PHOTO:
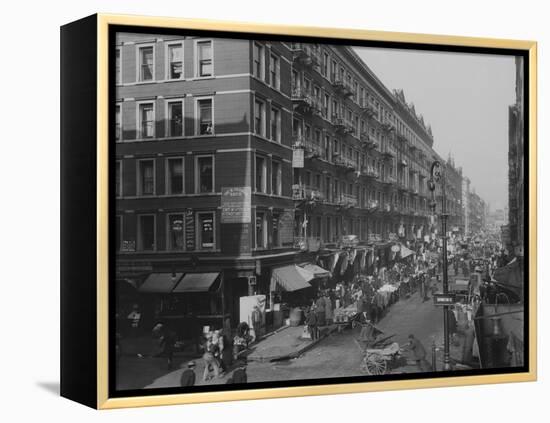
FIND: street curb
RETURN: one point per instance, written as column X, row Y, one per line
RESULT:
column 296, row 353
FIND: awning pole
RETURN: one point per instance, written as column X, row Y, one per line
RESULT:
column 222, row 283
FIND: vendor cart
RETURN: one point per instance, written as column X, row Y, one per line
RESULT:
column 378, row 361
column 461, row 288
column 379, row 353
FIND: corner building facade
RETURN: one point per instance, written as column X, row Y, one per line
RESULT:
column 307, row 137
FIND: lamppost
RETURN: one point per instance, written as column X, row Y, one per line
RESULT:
column 438, row 176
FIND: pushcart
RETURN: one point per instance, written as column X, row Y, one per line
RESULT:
column 379, row 354
column 378, row 361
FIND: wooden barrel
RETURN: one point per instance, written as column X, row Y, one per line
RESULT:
column 296, row 316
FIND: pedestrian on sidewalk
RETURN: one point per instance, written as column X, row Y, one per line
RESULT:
column 239, row 375
column 320, row 310
column 419, row 354
column 329, row 315
column 167, row 341
column 134, row 319
column 209, row 359
column 188, row 376
column 311, row 321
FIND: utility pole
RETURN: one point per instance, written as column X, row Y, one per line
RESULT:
column 438, row 176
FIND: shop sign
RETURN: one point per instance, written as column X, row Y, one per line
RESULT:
column 236, row 205
column 374, row 238
column 298, row 158
column 286, row 228
column 444, row 299
column 128, row 246
column 189, row 230
column 350, row 241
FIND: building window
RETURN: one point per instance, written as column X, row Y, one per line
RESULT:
column 325, row 65
column 174, row 176
column 205, row 174
column 261, row 232
column 146, row 177
column 118, row 178
column 296, row 128
column 326, row 104
column 259, row 117
column 118, row 72
column 205, row 117
column 327, row 188
column 275, row 231
column 327, row 148
column 147, row 120
column 274, row 71
column 276, row 178
column 206, row 234
column 118, row 123
column 175, row 61
column 275, row 122
column 146, row 232
column 118, row 233
column 204, row 59
column 258, row 61
column 146, row 63
column 175, row 118
column 176, row 232
column 260, row 174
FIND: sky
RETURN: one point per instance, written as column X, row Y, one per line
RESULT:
column 465, row 98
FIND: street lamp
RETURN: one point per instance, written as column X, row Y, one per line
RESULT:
column 438, row 176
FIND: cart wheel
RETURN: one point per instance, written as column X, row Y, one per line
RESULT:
column 373, row 364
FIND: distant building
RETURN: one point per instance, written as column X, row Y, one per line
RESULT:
column 516, row 170
column 476, row 213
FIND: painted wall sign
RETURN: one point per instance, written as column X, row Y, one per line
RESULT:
column 236, row 205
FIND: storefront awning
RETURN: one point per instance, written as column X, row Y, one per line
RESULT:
column 317, row 271
column 196, row 282
column 160, row 283
column 405, row 252
column 290, row 278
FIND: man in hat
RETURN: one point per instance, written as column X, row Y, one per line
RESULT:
column 239, row 375
column 419, row 353
column 188, row 375
column 167, row 340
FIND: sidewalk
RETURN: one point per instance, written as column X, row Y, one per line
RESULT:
column 286, row 343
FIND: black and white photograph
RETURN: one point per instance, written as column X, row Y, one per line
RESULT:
column 291, row 211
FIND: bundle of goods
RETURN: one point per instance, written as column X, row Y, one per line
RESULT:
column 345, row 315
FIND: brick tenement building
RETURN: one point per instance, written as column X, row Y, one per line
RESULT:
column 210, row 181
column 516, row 170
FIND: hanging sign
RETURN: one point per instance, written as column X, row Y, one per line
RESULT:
column 298, row 158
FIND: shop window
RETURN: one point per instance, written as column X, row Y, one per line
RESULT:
column 206, row 230
column 176, row 232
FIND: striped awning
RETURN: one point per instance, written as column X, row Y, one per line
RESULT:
column 290, row 278
column 317, row 271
